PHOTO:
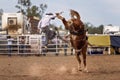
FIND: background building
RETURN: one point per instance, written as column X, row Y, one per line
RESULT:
column 111, row 29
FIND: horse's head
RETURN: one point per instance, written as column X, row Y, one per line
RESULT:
column 74, row 23
column 74, row 14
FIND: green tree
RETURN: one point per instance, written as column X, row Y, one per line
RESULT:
column 26, row 7
column 110, row 25
column 33, row 11
column 36, row 11
column 1, row 11
column 101, row 28
column 93, row 29
column 22, row 5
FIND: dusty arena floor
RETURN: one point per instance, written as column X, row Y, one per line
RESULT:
column 51, row 67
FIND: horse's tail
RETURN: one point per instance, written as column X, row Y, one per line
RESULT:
column 74, row 14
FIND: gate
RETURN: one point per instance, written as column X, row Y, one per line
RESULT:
column 34, row 45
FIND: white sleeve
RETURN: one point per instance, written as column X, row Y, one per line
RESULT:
column 53, row 16
column 39, row 24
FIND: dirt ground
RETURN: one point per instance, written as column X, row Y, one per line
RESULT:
column 51, row 67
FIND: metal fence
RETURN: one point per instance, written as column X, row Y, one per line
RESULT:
column 33, row 45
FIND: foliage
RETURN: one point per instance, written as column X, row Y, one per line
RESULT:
column 26, row 7
column 91, row 28
column 1, row 11
column 94, row 30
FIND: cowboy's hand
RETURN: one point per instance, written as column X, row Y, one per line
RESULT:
column 57, row 14
column 60, row 17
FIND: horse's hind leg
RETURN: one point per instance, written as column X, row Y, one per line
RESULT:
column 77, row 54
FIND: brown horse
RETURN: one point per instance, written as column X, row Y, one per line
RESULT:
column 78, row 37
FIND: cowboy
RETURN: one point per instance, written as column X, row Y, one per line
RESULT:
column 44, row 24
column 9, row 42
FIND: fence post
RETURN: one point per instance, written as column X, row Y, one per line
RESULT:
column 56, row 45
column 40, row 44
column 18, row 43
column 109, row 51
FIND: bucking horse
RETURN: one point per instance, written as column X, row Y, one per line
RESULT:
column 78, row 36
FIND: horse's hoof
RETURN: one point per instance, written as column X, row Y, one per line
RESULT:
column 79, row 69
column 85, row 70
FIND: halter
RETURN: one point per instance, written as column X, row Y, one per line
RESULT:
column 78, row 33
column 73, row 31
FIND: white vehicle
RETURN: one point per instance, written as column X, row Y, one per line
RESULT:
column 111, row 29
column 14, row 23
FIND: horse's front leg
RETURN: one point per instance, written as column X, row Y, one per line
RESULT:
column 77, row 54
column 84, row 59
column 84, row 62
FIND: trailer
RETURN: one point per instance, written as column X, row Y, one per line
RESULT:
column 15, row 23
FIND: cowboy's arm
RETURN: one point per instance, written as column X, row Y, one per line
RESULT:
column 55, row 15
column 63, row 20
column 39, row 26
column 65, row 23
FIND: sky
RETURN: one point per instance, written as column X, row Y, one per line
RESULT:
column 96, row 12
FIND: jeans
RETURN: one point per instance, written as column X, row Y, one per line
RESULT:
column 9, row 50
column 46, row 30
column 65, row 49
column 49, row 34
column 22, row 48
